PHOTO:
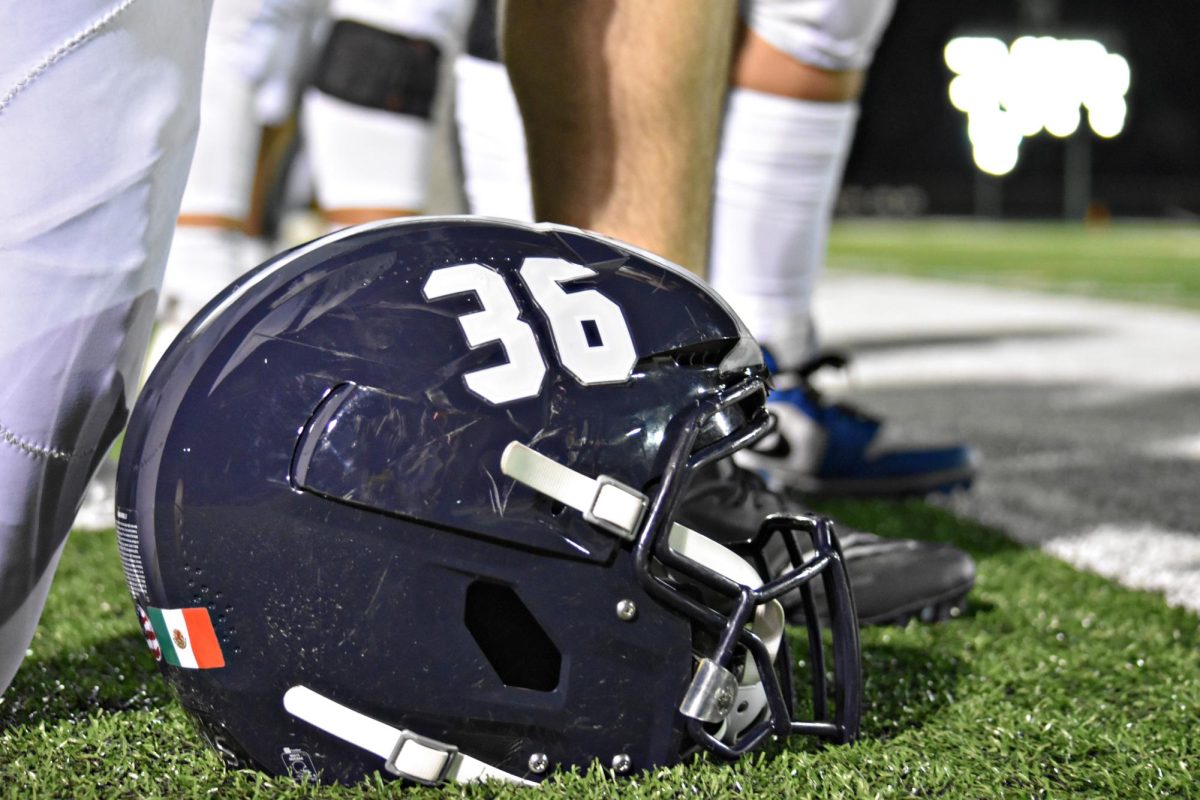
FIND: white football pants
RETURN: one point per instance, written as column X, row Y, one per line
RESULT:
column 98, row 117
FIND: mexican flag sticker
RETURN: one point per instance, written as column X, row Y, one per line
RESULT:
column 186, row 637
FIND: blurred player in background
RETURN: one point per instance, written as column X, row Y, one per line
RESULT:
column 256, row 57
column 789, row 123
column 367, row 116
column 365, row 73
column 260, row 55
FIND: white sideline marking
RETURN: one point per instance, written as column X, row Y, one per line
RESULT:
column 1088, row 353
column 1097, row 342
column 1182, row 447
column 1142, row 557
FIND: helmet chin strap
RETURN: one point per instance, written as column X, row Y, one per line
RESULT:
column 618, row 509
column 406, row 754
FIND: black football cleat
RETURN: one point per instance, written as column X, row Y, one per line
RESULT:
column 893, row 580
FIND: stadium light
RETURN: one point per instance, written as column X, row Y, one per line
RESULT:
column 1012, row 92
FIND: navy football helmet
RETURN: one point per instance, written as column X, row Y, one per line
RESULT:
column 402, row 500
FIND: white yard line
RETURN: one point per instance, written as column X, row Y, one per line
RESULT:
column 1143, row 557
column 1017, row 335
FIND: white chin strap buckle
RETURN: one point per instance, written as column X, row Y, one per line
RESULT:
column 604, row 502
column 616, row 508
column 421, row 759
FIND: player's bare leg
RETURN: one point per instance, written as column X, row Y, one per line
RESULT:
column 621, row 102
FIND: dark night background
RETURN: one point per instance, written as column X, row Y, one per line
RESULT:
column 910, row 136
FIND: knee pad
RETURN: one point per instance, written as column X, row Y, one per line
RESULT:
column 378, row 69
column 836, row 35
column 438, row 21
column 367, row 118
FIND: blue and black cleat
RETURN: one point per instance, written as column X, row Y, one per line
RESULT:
column 820, row 447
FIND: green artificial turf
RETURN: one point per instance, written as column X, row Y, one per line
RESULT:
column 1142, row 262
column 1053, row 684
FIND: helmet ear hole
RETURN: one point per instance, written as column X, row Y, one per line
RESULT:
column 510, row 638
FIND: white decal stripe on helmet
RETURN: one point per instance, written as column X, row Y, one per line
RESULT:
column 406, row 754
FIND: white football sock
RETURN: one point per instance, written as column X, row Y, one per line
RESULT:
column 492, row 139
column 778, row 172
